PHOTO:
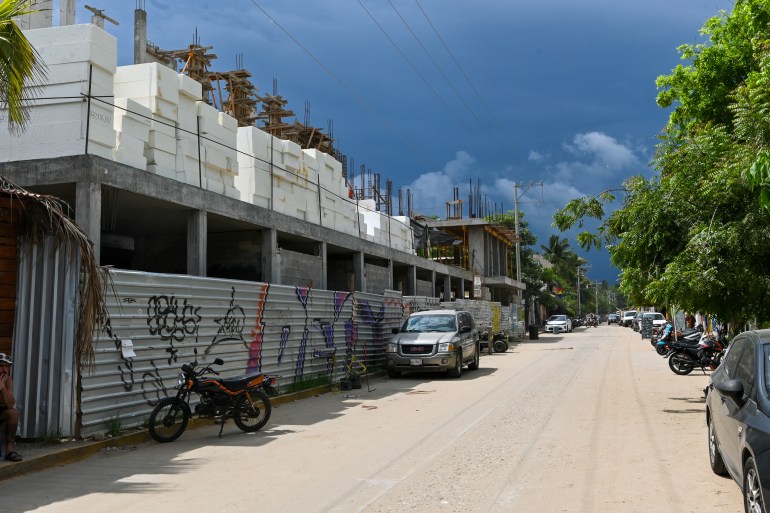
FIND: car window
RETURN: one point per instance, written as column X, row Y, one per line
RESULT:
column 745, row 369
column 766, row 367
column 423, row 323
column 733, row 355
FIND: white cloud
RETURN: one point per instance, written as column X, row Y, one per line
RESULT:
column 598, row 156
column 535, row 156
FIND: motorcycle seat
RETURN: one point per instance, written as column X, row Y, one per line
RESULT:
column 239, row 382
column 684, row 345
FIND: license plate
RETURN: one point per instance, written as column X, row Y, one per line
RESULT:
column 414, row 362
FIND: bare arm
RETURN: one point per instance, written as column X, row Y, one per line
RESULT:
column 6, row 391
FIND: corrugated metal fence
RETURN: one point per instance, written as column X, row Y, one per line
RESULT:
column 301, row 334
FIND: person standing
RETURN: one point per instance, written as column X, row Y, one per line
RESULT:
column 9, row 416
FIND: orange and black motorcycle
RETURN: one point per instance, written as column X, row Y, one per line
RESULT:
column 244, row 398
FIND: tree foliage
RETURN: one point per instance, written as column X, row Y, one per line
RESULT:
column 696, row 234
column 21, row 69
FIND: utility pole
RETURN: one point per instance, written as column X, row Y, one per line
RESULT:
column 578, row 291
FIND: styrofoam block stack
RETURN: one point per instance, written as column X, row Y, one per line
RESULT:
column 291, row 154
column 150, row 80
column 62, row 117
column 75, row 43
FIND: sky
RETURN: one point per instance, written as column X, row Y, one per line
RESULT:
column 436, row 94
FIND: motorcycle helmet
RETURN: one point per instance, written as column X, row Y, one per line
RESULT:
column 6, row 359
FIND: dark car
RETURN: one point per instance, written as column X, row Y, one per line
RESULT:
column 613, row 318
column 738, row 417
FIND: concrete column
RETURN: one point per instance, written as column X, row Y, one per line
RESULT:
column 41, row 17
column 433, row 283
column 359, row 276
column 66, row 12
column 88, row 213
column 411, row 281
column 324, row 285
column 461, row 289
column 197, row 239
column 271, row 272
column 140, row 36
column 447, row 288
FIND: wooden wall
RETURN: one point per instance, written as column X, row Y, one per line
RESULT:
column 8, row 251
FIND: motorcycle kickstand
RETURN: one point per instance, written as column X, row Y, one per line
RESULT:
column 222, row 426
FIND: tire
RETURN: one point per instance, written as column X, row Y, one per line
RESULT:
column 168, row 419
column 251, row 416
column 678, row 366
column 752, row 488
column 661, row 350
column 394, row 374
column 474, row 365
column 457, row 370
column 500, row 346
column 715, row 457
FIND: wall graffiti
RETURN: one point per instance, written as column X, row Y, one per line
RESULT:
column 255, row 346
column 126, row 368
column 177, row 319
column 231, row 325
column 171, row 323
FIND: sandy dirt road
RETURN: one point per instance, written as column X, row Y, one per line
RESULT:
column 589, row 422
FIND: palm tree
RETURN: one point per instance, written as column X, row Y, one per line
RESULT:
column 21, row 68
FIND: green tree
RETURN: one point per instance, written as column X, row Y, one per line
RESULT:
column 20, row 66
column 695, row 234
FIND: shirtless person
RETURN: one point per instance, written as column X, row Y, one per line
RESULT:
column 9, row 416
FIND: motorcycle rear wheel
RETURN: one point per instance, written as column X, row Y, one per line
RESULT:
column 661, row 350
column 169, row 419
column 681, row 363
column 500, row 346
column 251, row 416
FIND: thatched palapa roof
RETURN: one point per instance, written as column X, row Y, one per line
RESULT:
column 41, row 216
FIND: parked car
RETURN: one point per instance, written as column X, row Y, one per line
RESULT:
column 657, row 318
column 738, row 417
column 613, row 318
column 558, row 323
column 627, row 317
column 637, row 321
column 434, row 340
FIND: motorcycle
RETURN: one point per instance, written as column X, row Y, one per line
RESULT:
column 244, row 398
column 591, row 321
column 499, row 342
column 663, row 337
column 706, row 354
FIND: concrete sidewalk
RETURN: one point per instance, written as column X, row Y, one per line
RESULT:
column 42, row 455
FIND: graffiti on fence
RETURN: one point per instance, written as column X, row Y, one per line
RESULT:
column 285, row 332
column 255, row 346
column 171, row 323
column 126, row 369
column 231, row 325
column 152, row 384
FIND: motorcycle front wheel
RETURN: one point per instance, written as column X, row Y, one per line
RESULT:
column 252, row 414
column 661, row 350
column 681, row 363
column 169, row 419
column 500, row 346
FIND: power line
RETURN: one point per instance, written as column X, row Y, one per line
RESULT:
column 403, row 55
column 348, row 89
column 459, row 66
column 446, row 78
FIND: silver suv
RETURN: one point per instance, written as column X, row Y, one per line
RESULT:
column 434, row 340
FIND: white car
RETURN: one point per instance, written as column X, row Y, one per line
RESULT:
column 558, row 323
column 657, row 318
column 627, row 317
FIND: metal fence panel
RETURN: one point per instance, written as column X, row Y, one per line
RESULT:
column 298, row 333
column 44, row 335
